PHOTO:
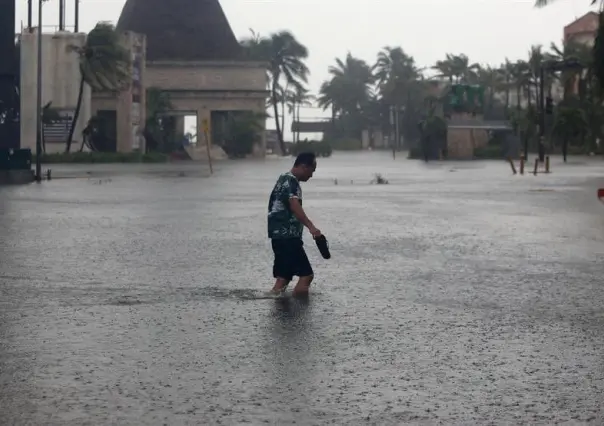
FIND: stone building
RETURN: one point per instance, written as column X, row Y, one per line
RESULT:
column 583, row 30
column 188, row 50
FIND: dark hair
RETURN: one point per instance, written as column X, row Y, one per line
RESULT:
column 305, row 159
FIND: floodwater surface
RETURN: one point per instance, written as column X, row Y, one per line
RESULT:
column 456, row 294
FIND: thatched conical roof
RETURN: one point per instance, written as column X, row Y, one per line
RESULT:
column 186, row 30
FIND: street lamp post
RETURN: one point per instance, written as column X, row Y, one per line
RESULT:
column 39, row 98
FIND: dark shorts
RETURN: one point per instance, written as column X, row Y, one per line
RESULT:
column 290, row 259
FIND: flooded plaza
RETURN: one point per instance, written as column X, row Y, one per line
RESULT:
column 456, row 294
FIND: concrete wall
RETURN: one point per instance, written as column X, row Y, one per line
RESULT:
column 196, row 87
column 235, row 76
column 203, row 102
column 60, row 84
column 583, row 30
column 461, row 142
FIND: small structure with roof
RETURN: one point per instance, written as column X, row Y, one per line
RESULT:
column 466, row 133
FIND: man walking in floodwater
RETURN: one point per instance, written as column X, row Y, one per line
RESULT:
column 286, row 221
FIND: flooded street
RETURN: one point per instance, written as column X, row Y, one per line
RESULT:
column 456, row 294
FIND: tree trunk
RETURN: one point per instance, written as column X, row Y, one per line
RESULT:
column 507, row 100
column 277, row 124
column 298, row 119
column 564, row 148
column 76, row 115
column 283, row 116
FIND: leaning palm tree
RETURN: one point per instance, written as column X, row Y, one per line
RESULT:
column 104, row 66
column 287, row 63
column 284, row 56
column 354, row 79
column 329, row 97
column 457, row 68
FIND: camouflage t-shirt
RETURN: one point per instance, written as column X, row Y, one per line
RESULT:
column 281, row 221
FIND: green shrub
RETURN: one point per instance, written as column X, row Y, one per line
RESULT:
column 345, row 144
column 489, row 152
column 415, row 153
column 242, row 132
column 320, row 148
column 103, row 157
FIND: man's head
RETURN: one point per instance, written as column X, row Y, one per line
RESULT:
column 304, row 166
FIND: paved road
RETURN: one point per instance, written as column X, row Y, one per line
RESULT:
column 457, row 294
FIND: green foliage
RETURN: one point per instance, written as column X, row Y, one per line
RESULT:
column 433, row 137
column 242, row 132
column 284, row 56
column 363, row 96
column 345, row 144
column 104, row 61
column 104, row 65
column 103, row 157
column 320, row 148
column 598, row 51
column 490, row 152
column 159, row 128
column 415, row 153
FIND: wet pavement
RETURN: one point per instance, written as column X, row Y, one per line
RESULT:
column 456, row 294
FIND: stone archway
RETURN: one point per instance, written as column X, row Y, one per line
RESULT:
column 193, row 56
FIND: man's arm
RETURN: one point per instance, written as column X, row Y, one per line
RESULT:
column 298, row 211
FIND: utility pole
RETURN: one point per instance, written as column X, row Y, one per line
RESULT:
column 398, row 137
column 61, row 15
column 77, row 16
column 393, row 136
column 29, row 15
column 39, row 98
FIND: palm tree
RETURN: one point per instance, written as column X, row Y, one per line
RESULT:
column 572, row 51
column 570, row 125
column 398, row 83
column 457, row 68
column 520, row 78
column 353, row 77
column 295, row 100
column 493, row 80
column 104, row 66
column 395, row 72
column 507, row 71
column 285, row 58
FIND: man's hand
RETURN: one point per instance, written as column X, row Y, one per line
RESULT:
column 314, row 232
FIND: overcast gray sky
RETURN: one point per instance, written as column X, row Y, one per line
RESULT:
column 486, row 30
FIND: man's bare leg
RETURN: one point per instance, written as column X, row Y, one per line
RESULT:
column 303, row 285
column 280, row 285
